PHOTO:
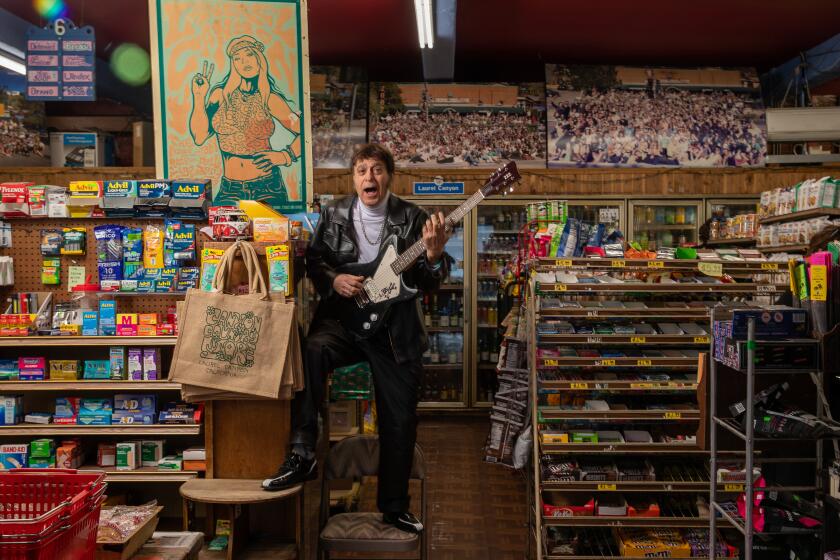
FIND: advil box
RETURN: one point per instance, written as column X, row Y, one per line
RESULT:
column 14, row 199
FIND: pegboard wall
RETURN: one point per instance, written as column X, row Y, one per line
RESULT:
column 26, row 253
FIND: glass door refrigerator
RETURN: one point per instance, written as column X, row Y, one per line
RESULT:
column 610, row 212
column 655, row 224
column 446, row 317
column 734, row 221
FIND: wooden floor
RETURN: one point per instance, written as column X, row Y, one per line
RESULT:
column 477, row 511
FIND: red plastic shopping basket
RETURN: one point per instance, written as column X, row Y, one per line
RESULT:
column 49, row 513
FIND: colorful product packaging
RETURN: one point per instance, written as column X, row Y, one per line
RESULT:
column 14, row 456
column 66, row 410
column 278, row 268
column 134, row 364
column 11, row 410
column 117, row 361
column 128, row 455
column 51, row 240
column 151, row 452
column 51, row 272
column 151, row 364
column 107, row 317
column 74, row 242
column 64, row 370
column 90, row 323
column 9, row 370
column 106, row 455
column 210, row 259
column 153, row 247
column 32, row 368
column 97, row 369
column 179, row 243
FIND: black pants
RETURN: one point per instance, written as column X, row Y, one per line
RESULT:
column 397, row 387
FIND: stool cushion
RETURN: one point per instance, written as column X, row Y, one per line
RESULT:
column 365, row 531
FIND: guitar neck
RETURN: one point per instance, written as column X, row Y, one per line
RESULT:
column 407, row 258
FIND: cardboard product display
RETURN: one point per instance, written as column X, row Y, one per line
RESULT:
column 237, row 347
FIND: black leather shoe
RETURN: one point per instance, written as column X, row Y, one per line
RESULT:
column 294, row 470
column 403, row 521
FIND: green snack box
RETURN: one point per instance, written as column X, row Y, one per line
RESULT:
column 42, row 448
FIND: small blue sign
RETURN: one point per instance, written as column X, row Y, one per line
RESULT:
column 432, row 188
column 60, row 62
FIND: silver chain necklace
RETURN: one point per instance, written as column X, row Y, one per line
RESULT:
column 364, row 231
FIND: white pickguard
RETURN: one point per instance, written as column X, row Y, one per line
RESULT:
column 384, row 284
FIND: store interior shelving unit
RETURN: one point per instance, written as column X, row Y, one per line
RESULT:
column 764, row 451
column 662, row 392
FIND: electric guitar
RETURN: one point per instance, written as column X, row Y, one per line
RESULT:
column 383, row 285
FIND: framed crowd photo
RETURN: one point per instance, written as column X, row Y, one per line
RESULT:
column 459, row 125
column 621, row 116
column 339, row 97
column 231, row 88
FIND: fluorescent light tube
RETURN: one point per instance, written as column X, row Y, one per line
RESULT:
column 12, row 65
column 425, row 31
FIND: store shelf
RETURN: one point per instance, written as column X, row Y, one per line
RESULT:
column 41, row 341
column 783, row 249
column 89, row 385
column 738, row 523
column 732, row 426
column 488, row 276
column 444, row 329
column 143, row 474
column 676, row 288
column 139, row 294
column 616, row 339
column 548, row 414
column 771, row 371
column 617, row 264
column 487, row 366
column 622, row 448
column 612, row 313
column 608, row 521
column 638, row 228
column 735, row 241
column 804, row 215
column 451, row 287
column 439, row 367
column 625, row 486
column 487, row 326
column 61, row 430
column 594, row 385
column 636, row 362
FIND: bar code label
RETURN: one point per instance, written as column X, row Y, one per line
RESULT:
column 606, row 487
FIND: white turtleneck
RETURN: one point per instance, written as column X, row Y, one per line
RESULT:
column 373, row 218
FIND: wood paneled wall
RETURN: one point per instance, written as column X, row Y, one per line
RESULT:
column 537, row 182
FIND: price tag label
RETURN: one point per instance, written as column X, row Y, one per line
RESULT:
column 710, row 269
column 563, row 262
column 579, row 385
column 733, row 487
column 551, row 363
column 637, row 340
column 560, row 287
column 701, row 340
column 643, row 362
column 656, row 264
column 606, row 487
column 676, row 385
column 673, row 415
column 593, row 313
column 619, row 263
column 765, row 289
column 593, row 340
column 606, row 363
column 819, row 282
column 770, row 266
column 641, row 386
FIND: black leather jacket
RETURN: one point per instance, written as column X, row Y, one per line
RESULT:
column 334, row 244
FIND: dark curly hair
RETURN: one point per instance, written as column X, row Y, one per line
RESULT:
column 374, row 151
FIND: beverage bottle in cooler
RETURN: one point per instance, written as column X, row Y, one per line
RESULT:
column 484, row 350
column 427, row 314
column 491, row 314
column 443, row 314
column 433, row 346
column 453, row 351
column 494, row 349
column 459, row 350
column 435, row 320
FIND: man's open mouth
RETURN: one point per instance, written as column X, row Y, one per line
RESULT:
column 371, row 190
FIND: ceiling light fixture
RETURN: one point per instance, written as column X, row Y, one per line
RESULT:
column 425, row 30
column 12, row 64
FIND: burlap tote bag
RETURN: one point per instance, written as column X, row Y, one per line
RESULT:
column 238, row 344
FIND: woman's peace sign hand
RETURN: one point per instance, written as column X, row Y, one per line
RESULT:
column 201, row 81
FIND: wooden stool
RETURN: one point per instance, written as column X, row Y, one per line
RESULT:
column 234, row 493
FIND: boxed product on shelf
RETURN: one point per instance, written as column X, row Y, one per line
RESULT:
column 42, row 462
column 151, row 364
column 647, row 542
column 14, row 199
column 32, row 368
column 611, row 506
column 40, row 448
column 181, row 413
column 11, row 410
column 128, row 455
column 9, row 370
column 151, row 452
column 106, row 455
column 189, row 198
column 95, row 411
column 568, row 505
column 69, row 455
column 153, row 198
column 134, row 364
column 770, row 321
column 66, row 410
column 97, row 369
column 38, row 418
column 116, row 359
column 132, row 417
column 14, row 456
column 90, row 323
column 64, row 370
column 135, row 403
column 171, row 463
column 107, row 317
column 777, row 354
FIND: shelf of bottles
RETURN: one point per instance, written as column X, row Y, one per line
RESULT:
column 665, row 224
column 443, row 316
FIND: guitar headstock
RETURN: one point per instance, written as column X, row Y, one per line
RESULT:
column 502, row 180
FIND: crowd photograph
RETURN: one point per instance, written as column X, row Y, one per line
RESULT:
column 339, row 98
column 22, row 140
column 638, row 117
column 474, row 125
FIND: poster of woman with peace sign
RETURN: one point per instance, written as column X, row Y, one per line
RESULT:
column 235, row 106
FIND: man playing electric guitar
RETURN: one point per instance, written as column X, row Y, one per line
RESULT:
column 353, row 230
